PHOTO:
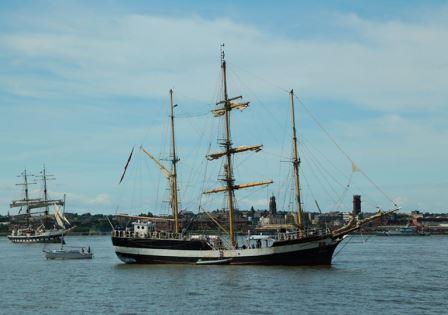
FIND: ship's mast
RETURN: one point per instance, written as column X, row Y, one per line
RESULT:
column 224, row 109
column 296, row 165
column 25, row 202
column 25, row 182
column 27, row 197
column 171, row 175
column 174, row 160
column 44, row 178
column 46, row 202
column 228, row 170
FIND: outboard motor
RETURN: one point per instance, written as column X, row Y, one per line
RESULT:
column 356, row 204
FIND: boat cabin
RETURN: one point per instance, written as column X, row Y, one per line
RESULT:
column 143, row 229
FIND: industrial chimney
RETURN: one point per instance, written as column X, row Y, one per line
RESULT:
column 356, row 204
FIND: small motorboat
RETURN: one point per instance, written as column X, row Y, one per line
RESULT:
column 223, row 261
column 64, row 253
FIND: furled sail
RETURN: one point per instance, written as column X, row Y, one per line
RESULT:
column 239, row 186
column 239, row 149
column 222, row 110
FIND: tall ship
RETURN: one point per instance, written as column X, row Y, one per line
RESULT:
column 149, row 241
column 33, row 223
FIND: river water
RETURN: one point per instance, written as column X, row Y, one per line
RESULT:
column 390, row 275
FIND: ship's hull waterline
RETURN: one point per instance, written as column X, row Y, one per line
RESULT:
column 317, row 252
column 35, row 239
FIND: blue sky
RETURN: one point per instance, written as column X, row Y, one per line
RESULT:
column 82, row 82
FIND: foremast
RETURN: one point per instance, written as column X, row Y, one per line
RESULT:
column 296, row 166
column 225, row 106
column 26, row 200
column 171, row 175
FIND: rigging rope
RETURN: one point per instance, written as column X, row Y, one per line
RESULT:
column 367, row 198
column 343, row 152
column 341, row 199
column 269, row 82
column 345, row 244
column 314, row 166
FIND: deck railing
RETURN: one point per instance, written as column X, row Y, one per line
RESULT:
column 301, row 234
column 177, row 236
column 152, row 235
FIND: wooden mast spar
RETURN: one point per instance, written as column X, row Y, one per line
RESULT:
column 27, row 198
column 174, row 160
column 224, row 109
column 296, row 165
column 26, row 201
column 171, row 175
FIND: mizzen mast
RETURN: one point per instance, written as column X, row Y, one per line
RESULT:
column 174, row 160
column 171, row 175
column 296, row 165
column 225, row 107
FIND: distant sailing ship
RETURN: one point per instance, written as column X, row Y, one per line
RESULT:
column 145, row 242
column 32, row 223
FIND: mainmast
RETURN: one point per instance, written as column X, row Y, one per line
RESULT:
column 25, row 183
column 296, row 165
column 228, row 169
column 46, row 202
column 224, row 109
column 27, row 196
column 174, row 160
column 171, row 175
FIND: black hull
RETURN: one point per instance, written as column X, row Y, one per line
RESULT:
column 289, row 255
column 312, row 257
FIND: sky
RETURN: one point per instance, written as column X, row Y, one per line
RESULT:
column 82, row 82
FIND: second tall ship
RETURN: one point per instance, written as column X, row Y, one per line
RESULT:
column 33, row 223
column 145, row 242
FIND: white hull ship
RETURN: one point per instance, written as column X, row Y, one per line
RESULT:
column 31, row 224
column 145, row 243
column 35, row 236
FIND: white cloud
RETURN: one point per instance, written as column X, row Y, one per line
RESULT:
column 102, row 200
column 387, row 65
